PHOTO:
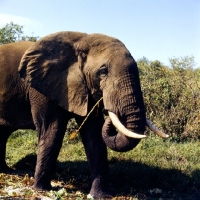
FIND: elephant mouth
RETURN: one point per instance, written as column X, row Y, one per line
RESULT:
column 121, row 128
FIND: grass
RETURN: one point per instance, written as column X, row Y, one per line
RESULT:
column 155, row 169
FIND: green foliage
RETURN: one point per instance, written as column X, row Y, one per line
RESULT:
column 20, row 144
column 13, row 33
column 155, row 164
column 172, row 96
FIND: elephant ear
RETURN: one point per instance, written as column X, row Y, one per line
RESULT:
column 54, row 68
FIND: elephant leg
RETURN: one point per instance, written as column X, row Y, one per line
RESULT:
column 5, row 133
column 48, row 150
column 96, row 152
column 50, row 121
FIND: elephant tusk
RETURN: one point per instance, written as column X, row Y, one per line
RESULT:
column 155, row 129
column 120, row 127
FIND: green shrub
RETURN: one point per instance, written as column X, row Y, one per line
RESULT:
column 172, row 96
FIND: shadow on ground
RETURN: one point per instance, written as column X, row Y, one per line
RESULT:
column 126, row 179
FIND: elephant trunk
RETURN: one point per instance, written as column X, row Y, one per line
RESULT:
column 124, row 140
column 122, row 98
column 116, row 140
column 126, row 111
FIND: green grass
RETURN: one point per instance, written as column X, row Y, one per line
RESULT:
column 154, row 164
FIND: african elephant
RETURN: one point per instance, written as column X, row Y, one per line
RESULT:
column 14, row 105
column 63, row 75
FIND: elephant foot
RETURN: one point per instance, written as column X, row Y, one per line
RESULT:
column 99, row 190
column 101, row 195
column 42, row 187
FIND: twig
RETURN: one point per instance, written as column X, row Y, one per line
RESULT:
column 73, row 134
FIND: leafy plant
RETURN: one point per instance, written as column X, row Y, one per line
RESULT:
column 172, row 96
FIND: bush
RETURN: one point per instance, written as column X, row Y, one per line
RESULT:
column 172, row 96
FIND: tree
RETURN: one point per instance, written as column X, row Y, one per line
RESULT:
column 12, row 33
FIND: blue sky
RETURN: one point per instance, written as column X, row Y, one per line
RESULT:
column 155, row 29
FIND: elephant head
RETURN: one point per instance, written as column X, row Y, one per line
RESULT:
column 72, row 68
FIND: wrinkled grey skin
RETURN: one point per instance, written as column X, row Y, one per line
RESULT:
column 63, row 76
column 14, row 105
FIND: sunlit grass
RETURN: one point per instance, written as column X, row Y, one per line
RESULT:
column 154, row 163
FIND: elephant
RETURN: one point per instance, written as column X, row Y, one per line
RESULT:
column 62, row 76
column 14, row 105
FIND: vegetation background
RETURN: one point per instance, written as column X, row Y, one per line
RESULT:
column 155, row 169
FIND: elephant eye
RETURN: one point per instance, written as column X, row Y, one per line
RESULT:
column 103, row 71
